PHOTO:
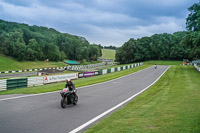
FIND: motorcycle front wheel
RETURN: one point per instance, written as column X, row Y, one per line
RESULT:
column 63, row 103
column 75, row 100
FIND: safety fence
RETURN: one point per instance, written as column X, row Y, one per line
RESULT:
column 8, row 84
column 31, row 70
column 3, row 85
column 115, row 69
column 75, row 67
column 79, row 67
column 16, row 83
column 88, row 74
column 197, row 67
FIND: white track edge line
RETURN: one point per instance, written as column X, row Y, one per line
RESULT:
column 30, row 95
column 115, row 107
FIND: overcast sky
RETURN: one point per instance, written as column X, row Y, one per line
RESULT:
column 105, row 22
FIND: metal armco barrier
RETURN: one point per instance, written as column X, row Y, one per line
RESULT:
column 112, row 70
column 115, row 69
column 16, row 83
column 105, row 71
column 100, row 72
column 84, row 66
column 108, row 70
column 197, row 67
column 36, row 81
column 30, row 70
column 124, row 67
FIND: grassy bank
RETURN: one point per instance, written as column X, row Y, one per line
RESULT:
column 108, row 53
column 78, row 83
column 170, row 105
column 9, row 64
column 159, row 62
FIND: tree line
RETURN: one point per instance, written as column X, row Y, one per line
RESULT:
column 25, row 42
column 110, row 47
column 176, row 46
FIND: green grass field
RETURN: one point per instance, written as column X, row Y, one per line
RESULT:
column 169, row 106
column 152, row 62
column 78, row 83
column 108, row 53
column 9, row 64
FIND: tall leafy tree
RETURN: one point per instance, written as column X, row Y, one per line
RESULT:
column 16, row 45
column 191, row 43
column 125, row 54
column 193, row 19
column 143, row 51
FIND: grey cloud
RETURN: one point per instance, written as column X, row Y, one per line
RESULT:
column 101, row 21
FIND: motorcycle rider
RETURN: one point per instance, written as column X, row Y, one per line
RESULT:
column 71, row 87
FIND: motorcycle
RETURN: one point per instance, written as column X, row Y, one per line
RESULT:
column 68, row 97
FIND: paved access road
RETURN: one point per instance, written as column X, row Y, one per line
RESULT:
column 43, row 114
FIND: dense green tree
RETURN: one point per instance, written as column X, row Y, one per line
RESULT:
column 191, row 43
column 84, row 53
column 37, row 53
column 62, row 56
column 4, row 43
column 94, row 52
column 125, row 54
column 165, row 46
column 16, row 45
column 143, row 51
column 39, row 43
column 193, row 19
column 110, row 47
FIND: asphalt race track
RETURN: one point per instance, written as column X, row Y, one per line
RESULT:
column 43, row 113
column 18, row 74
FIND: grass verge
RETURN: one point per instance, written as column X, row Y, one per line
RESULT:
column 10, row 64
column 113, row 66
column 78, row 83
column 170, row 105
column 160, row 62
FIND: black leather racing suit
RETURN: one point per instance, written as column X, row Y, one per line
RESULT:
column 71, row 87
